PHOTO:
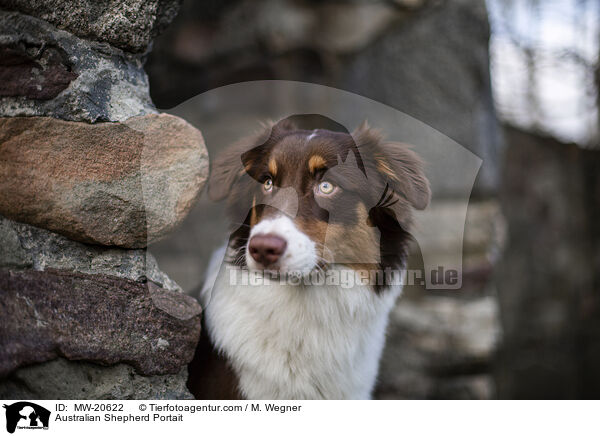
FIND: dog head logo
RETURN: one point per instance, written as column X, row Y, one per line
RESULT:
column 26, row 415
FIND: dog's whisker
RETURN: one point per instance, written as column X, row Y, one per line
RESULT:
column 322, row 247
column 239, row 224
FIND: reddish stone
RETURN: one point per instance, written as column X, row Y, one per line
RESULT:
column 124, row 184
column 103, row 319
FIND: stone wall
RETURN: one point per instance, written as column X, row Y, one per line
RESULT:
column 90, row 174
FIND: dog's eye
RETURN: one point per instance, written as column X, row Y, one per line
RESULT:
column 326, row 188
column 268, row 185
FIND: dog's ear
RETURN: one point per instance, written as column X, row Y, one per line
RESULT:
column 236, row 160
column 225, row 170
column 401, row 167
column 284, row 125
column 404, row 170
column 228, row 166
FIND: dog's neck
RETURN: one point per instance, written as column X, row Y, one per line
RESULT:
column 289, row 341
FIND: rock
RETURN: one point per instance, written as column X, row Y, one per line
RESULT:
column 549, row 275
column 46, row 71
column 129, row 25
column 283, row 26
column 27, row 247
column 410, row 4
column 470, row 387
column 476, row 251
column 123, row 184
column 62, row 379
column 42, row 75
column 98, row 318
column 12, row 254
column 367, row 21
column 439, row 346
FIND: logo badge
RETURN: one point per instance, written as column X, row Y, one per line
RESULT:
column 26, row 415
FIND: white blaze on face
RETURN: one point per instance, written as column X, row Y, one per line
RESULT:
column 300, row 255
column 312, row 135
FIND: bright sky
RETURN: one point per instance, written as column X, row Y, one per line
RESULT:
column 563, row 35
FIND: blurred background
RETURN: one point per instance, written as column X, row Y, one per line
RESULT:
column 516, row 82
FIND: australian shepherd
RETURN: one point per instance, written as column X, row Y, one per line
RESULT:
column 310, row 208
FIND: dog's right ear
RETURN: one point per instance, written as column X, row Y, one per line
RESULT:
column 225, row 170
column 231, row 163
column 235, row 161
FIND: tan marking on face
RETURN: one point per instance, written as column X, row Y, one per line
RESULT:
column 253, row 217
column 313, row 228
column 316, row 162
column 355, row 245
column 368, row 234
column 384, row 167
column 273, row 167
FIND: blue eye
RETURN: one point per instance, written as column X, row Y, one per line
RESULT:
column 326, row 188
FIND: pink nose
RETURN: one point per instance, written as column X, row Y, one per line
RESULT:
column 266, row 249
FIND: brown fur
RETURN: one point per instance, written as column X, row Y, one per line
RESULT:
column 210, row 376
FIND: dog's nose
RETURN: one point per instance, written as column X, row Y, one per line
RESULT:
column 266, row 249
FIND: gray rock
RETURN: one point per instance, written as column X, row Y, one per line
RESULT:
column 99, row 318
column 25, row 247
column 129, row 25
column 62, row 379
column 440, row 347
column 12, row 255
column 67, row 77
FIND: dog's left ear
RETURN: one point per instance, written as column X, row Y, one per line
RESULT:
column 404, row 170
column 401, row 167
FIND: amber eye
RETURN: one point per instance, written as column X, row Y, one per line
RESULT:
column 326, row 188
column 268, row 185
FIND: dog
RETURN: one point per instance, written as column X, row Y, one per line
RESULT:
column 306, row 205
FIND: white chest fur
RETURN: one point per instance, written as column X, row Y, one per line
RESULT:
column 299, row 342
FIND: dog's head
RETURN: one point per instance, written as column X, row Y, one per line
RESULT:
column 304, row 199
